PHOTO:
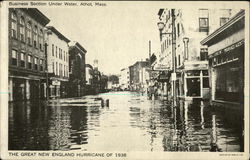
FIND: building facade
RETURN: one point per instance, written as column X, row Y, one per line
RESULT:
column 57, row 62
column 124, row 79
column 89, row 79
column 191, row 58
column 77, row 72
column 137, row 74
column 226, row 60
column 26, row 54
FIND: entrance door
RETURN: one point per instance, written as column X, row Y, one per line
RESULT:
column 193, row 87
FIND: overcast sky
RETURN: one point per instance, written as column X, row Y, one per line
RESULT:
column 116, row 35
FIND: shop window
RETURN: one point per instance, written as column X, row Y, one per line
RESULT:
column 13, row 25
column 22, row 62
column 205, row 82
column 193, row 87
column 22, row 30
column 205, row 72
column 14, row 57
column 29, row 62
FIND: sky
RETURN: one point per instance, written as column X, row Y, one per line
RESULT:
column 116, row 35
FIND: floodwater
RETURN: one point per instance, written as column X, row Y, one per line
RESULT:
column 131, row 122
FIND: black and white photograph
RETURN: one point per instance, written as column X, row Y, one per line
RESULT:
column 88, row 78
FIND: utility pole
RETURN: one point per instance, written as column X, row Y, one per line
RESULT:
column 173, row 76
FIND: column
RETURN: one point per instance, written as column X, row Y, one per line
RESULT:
column 27, row 89
column 10, row 89
column 185, row 85
column 213, row 83
column 201, row 83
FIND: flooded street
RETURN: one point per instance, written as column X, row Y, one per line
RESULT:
column 131, row 122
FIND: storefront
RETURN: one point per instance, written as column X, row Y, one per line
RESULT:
column 226, row 62
column 228, row 72
column 196, row 80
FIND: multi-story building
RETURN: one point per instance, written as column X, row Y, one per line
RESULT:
column 26, row 54
column 226, row 60
column 57, row 62
column 190, row 58
column 124, row 79
column 77, row 72
column 137, row 75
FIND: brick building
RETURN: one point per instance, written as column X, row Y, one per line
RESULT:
column 26, row 54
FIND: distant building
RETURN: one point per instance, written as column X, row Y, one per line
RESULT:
column 89, row 79
column 27, row 78
column 57, row 61
column 226, row 60
column 191, row 59
column 137, row 74
column 124, row 78
column 77, row 72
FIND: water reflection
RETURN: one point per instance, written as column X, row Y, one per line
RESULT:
column 131, row 122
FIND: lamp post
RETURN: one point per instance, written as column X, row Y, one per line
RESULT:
column 161, row 25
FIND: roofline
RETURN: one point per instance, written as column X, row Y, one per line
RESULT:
column 78, row 45
column 60, row 35
column 232, row 21
column 44, row 19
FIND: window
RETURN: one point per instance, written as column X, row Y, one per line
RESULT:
column 205, row 82
column 22, row 30
column 223, row 20
column 13, row 25
column 29, row 62
column 52, row 49
column 203, row 54
column 41, row 65
column 35, row 62
column 14, row 57
column 225, row 15
column 178, row 29
column 56, row 68
column 22, row 59
column 179, row 60
column 53, row 67
column 35, row 36
column 203, row 20
column 41, row 39
column 56, row 51
column 29, row 33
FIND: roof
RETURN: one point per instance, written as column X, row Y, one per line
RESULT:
column 75, row 44
column 60, row 35
column 37, row 15
column 232, row 24
column 88, row 65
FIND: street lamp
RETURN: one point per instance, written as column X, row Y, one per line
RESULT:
column 161, row 25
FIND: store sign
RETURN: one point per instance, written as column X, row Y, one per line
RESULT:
column 56, row 83
column 161, row 67
column 227, row 49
